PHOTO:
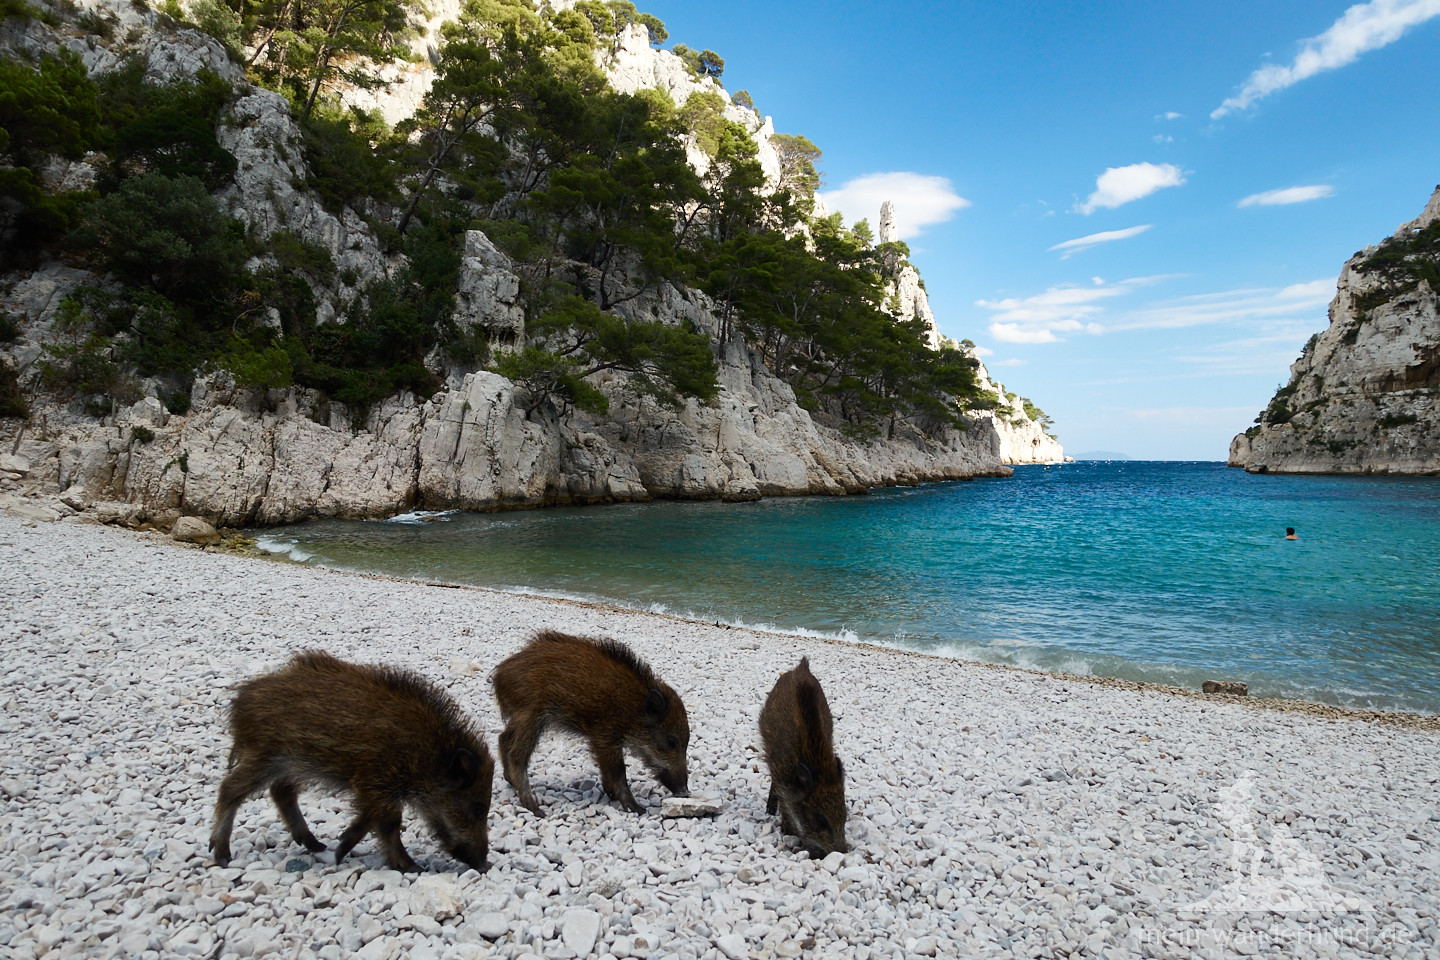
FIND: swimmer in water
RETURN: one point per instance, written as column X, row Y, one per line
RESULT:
column 1290, row 534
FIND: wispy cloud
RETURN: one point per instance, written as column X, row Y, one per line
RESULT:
column 1277, row 198
column 1270, row 353
column 1072, row 247
column 1012, row 362
column 1046, row 317
column 1363, row 27
column 1067, row 309
column 984, row 352
column 920, row 200
column 1118, row 186
column 1229, row 307
column 1169, row 115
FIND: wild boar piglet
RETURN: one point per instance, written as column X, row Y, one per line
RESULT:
column 807, row 780
column 383, row 734
column 600, row 690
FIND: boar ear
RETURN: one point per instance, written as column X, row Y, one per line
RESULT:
column 463, row 767
column 804, row 777
column 655, row 705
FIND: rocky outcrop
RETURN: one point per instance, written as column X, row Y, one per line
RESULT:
column 1364, row 396
column 1018, row 438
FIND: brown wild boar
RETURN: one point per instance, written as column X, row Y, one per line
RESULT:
column 602, row 691
column 384, row 734
column 807, row 780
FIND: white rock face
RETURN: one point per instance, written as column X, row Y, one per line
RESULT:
column 1018, row 438
column 1364, row 396
column 888, row 232
column 489, row 296
column 905, row 297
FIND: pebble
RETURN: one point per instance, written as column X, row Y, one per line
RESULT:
column 581, row 927
column 1049, row 826
column 491, row 926
column 733, row 945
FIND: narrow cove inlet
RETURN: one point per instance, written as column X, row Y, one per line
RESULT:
column 1165, row 572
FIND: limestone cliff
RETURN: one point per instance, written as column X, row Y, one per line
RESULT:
column 1364, row 396
column 240, row 457
column 1019, row 438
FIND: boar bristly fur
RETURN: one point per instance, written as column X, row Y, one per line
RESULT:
column 597, row 689
column 383, row 734
column 807, row 780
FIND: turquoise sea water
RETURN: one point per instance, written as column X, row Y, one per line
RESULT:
column 1171, row 572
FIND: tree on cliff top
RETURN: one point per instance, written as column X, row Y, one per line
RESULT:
column 798, row 159
column 303, row 46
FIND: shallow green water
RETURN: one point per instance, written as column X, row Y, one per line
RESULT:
column 1172, row 572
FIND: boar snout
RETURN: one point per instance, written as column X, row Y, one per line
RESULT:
column 676, row 783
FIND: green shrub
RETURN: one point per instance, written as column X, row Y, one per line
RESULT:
column 12, row 401
column 80, row 362
column 142, row 433
column 268, row 369
column 178, row 402
column 9, row 327
column 166, row 128
column 220, row 22
column 167, row 233
column 352, row 157
column 48, row 110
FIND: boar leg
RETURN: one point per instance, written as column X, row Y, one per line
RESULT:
column 517, row 743
column 611, row 760
column 387, row 828
column 773, row 800
column 286, row 798
column 245, row 778
column 354, row 833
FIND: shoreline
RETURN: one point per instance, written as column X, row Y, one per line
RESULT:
column 992, row 812
column 1315, row 708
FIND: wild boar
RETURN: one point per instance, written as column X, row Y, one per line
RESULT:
column 600, row 690
column 807, row 780
column 383, row 734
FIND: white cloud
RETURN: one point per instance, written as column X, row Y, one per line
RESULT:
column 1065, row 309
column 1169, row 115
column 1012, row 362
column 1276, row 198
column 1363, row 27
column 1163, row 138
column 1271, row 353
column 1120, row 185
column 983, row 352
column 919, row 200
column 1044, row 317
column 1231, row 306
column 1072, row 247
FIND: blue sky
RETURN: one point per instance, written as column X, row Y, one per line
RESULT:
column 1140, row 209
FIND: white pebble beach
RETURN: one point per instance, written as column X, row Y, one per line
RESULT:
column 993, row 812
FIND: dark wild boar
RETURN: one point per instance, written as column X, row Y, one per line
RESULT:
column 384, row 734
column 602, row 691
column 807, row 780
